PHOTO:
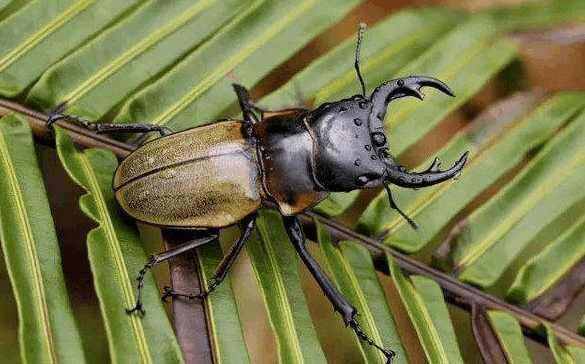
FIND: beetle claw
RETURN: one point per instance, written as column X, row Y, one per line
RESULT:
column 422, row 81
column 388, row 354
column 138, row 308
column 56, row 114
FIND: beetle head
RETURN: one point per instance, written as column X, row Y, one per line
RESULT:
column 345, row 156
column 351, row 145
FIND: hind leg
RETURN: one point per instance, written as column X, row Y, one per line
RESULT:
column 224, row 266
column 159, row 258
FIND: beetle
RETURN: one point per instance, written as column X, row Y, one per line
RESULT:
column 220, row 174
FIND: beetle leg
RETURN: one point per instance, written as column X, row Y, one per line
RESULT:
column 340, row 303
column 57, row 114
column 228, row 261
column 159, row 258
column 129, row 128
column 246, row 104
column 394, row 206
column 224, row 266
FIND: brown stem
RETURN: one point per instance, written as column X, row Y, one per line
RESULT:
column 490, row 347
column 189, row 315
column 456, row 292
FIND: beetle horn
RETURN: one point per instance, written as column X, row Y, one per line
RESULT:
column 402, row 87
column 401, row 177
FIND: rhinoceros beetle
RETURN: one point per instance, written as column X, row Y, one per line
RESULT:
column 220, row 174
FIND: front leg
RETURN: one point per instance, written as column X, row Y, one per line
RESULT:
column 340, row 303
column 246, row 105
column 105, row 128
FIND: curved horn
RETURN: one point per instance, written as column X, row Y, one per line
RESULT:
column 403, row 178
column 401, row 87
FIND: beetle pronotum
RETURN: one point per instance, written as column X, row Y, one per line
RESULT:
column 220, row 174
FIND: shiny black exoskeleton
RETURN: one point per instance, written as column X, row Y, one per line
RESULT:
column 220, row 174
column 353, row 150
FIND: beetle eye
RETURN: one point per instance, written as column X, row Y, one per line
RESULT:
column 379, row 139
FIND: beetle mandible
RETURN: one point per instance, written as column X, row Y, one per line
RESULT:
column 220, row 174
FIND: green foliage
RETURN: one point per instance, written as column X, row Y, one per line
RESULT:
column 551, row 264
column 510, row 337
column 538, row 14
column 198, row 89
column 47, row 330
column 548, row 186
column 173, row 63
column 436, row 206
column 42, row 32
column 564, row 354
column 428, row 313
column 111, row 66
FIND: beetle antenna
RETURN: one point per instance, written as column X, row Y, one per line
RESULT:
column 358, row 47
column 393, row 205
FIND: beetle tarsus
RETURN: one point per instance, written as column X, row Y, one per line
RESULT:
column 58, row 114
column 55, row 115
column 211, row 286
column 222, row 269
column 168, row 292
column 389, row 354
column 159, row 258
column 138, row 308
